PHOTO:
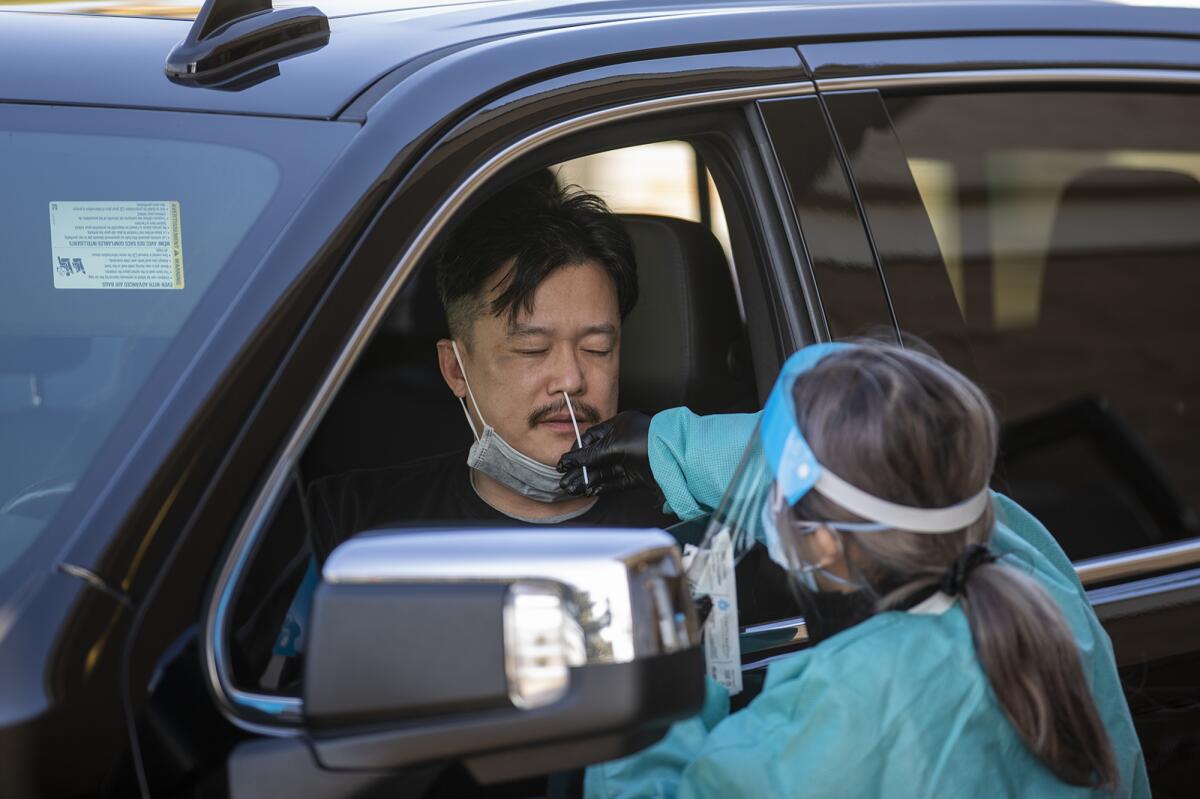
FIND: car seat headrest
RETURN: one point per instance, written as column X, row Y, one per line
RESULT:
column 1104, row 210
column 683, row 344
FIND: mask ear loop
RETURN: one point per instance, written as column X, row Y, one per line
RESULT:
column 781, row 511
column 471, row 394
column 823, row 568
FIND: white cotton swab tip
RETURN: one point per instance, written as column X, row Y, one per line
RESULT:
column 575, row 424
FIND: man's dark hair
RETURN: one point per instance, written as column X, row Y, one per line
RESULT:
column 541, row 227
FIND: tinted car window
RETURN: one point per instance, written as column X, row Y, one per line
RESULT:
column 114, row 227
column 1069, row 231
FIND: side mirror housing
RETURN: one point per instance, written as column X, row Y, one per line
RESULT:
column 518, row 652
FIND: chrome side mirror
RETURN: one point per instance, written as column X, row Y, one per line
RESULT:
column 519, row 651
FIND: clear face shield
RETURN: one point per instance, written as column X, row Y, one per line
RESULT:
column 762, row 514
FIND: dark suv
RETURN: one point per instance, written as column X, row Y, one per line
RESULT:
column 216, row 290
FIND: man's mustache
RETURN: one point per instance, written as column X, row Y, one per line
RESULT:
column 583, row 412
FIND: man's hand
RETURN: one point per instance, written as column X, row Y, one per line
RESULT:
column 615, row 454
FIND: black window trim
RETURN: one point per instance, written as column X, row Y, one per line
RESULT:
column 275, row 715
column 1105, row 568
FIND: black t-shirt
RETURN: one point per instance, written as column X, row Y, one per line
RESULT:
column 438, row 490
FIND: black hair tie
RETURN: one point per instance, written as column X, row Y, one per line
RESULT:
column 954, row 581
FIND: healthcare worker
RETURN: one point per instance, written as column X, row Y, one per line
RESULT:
column 957, row 654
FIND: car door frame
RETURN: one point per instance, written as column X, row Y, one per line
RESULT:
column 485, row 147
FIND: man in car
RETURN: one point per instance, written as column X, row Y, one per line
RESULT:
column 535, row 284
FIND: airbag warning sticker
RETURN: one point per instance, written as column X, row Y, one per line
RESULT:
column 116, row 245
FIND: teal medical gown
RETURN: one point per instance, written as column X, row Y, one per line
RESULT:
column 896, row 706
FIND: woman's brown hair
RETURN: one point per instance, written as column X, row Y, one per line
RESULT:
column 908, row 428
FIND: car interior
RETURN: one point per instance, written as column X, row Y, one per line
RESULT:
column 685, row 343
column 1075, row 272
column 1118, row 470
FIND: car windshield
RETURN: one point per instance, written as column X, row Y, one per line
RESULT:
column 115, row 224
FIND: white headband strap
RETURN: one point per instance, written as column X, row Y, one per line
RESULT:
column 901, row 517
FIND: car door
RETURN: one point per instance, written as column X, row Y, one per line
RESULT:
column 1034, row 203
column 545, row 122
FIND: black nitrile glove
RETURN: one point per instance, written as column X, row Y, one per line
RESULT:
column 615, row 454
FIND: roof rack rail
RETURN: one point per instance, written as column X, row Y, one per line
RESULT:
column 231, row 39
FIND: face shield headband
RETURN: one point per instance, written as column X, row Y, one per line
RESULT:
column 797, row 470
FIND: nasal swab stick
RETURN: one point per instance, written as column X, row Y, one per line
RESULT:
column 575, row 424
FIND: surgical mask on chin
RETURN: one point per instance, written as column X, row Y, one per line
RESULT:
column 499, row 460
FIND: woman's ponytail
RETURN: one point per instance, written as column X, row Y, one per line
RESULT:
column 1031, row 660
